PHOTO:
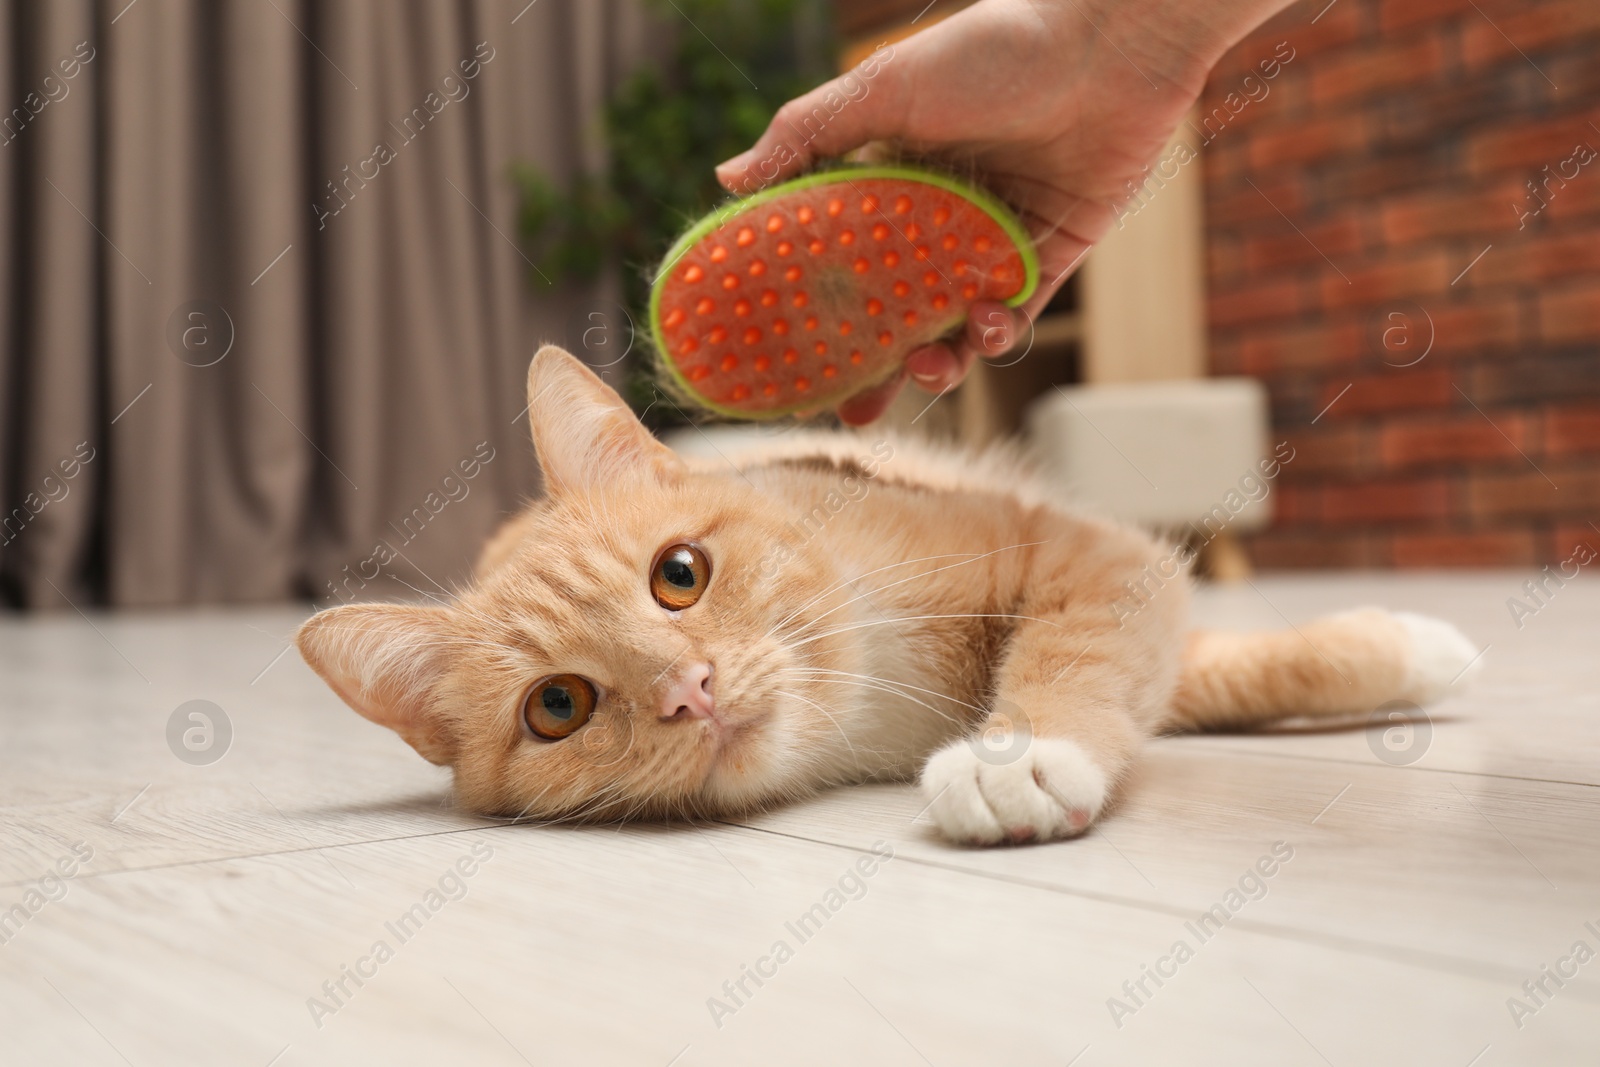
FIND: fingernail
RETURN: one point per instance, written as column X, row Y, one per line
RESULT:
column 925, row 365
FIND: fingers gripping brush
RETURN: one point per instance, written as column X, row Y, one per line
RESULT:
column 811, row 291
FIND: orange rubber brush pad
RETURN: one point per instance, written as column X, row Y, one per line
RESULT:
column 815, row 290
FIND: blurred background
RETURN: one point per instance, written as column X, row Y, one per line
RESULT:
column 273, row 270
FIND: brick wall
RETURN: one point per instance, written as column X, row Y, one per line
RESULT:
column 1343, row 207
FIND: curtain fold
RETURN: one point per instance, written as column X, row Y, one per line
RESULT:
column 261, row 288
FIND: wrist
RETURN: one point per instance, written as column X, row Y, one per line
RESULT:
column 1184, row 39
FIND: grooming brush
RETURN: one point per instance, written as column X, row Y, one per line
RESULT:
column 811, row 291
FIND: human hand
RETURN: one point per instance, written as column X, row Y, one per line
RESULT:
column 1057, row 105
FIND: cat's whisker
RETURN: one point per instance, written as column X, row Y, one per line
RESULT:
column 836, row 586
column 421, row 592
column 606, row 801
column 588, row 809
column 807, row 700
column 453, row 594
column 842, row 582
column 453, row 640
column 605, row 795
column 889, row 681
column 523, row 814
column 489, row 622
column 455, row 604
column 892, row 692
column 917, row 618
column 914, row 577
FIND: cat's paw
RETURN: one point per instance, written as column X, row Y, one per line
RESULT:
column 1440, row 655
column 1053, row 789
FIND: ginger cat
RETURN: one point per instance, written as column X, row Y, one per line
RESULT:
column 657, row 637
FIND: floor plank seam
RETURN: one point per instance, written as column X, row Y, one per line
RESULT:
column 1455, row 965
column 309, row 850
column 1347, row 762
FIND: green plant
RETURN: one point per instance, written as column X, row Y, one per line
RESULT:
column 732, row 64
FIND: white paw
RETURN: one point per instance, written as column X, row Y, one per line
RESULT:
column 1440, row 655
column 1053, row 789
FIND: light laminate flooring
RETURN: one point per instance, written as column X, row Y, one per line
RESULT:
column 1422, row 891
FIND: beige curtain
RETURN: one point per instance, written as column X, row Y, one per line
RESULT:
column 263, row 307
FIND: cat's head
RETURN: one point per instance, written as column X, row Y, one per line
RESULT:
column 629, row 649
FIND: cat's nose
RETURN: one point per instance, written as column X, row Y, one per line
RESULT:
column 690, row 696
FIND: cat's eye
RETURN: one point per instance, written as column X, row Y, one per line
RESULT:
column 558, row 705
column 679, row 576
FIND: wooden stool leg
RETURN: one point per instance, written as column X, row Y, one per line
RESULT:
column 1223, row 559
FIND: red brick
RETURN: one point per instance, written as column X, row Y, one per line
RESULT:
column 1269, row 349
column 1341, row 24
column 1572, row 429
column 1402, row 335
column 1560, row 255
column 1335, row 549
column 1292, row 398
column 1531, row 145
column 1533, row 378
column 1505, row 548
column 1529, row 494
column 1308, row 141
column 1224, row 357
column 1579, row 199
column 1570, row 314
column 1234, row 103
column 1446, row 213
column 1251, row 204
column 1489, row 323
column 1574, row 541
column 1222, row 162
column 1341, row 236
column 1435, row 118
column 1362, row 176
column 1454, row 439
column 1288, row 95
column 1319, row 450
column 1486, row 40
column 1574, row 71
column 1399, row 14
column 1224, row 257
column 1295, row 504
column 1544, row 190
column 1390, row 280
column 1410, row 500
column 1400, row 390
column 1263, row 300
column 1362, row 72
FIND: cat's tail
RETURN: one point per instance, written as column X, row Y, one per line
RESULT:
column 1336, row 666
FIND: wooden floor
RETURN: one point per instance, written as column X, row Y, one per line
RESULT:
column 219, row 898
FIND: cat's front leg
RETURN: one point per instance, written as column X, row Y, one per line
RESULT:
column 1080, row 686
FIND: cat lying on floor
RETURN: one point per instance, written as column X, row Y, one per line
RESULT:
column 657, row 637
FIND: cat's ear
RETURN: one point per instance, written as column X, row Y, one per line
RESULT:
column 583, row 432
column 384, row 660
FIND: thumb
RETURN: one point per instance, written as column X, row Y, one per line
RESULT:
column 866, row 103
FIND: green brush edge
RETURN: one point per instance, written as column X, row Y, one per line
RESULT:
column 984, row 200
